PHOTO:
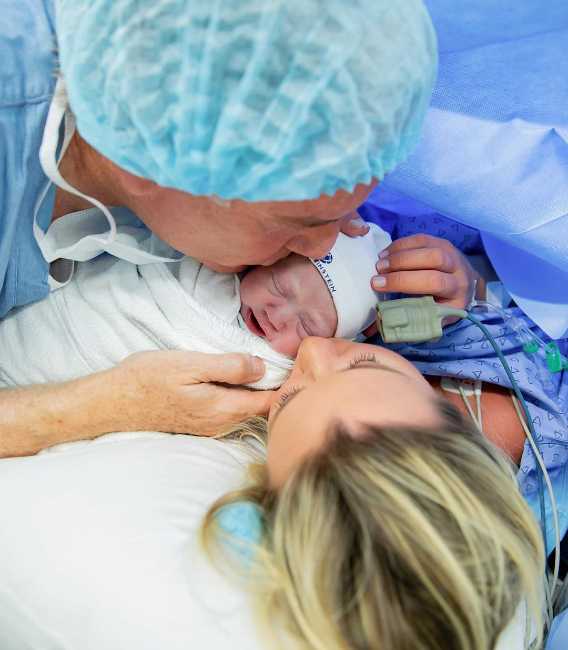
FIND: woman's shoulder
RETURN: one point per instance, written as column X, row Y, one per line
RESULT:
column 499, row 418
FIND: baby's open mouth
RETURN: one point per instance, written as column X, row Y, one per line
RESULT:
column 252, row 323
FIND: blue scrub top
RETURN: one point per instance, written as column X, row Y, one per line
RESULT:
column 27, row 81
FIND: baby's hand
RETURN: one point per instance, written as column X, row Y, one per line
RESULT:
column 426, row 265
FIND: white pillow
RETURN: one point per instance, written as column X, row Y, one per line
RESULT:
column 99, row 548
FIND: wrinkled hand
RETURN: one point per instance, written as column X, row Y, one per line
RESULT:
column 354, row 226
column 426, row 265
column 187, row 392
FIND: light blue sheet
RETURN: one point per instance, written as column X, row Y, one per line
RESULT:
column 558, row 638
column 494, row 152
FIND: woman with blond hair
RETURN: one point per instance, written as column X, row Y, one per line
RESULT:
column 379, row 518
column 376, row 517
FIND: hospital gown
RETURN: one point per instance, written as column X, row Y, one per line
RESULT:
column 463, row 352
column 27, row 80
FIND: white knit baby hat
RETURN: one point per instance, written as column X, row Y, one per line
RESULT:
column 347, row 270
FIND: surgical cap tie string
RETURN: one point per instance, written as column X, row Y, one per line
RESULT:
column 127, row 248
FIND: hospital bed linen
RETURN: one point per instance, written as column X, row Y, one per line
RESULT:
column 99, row 548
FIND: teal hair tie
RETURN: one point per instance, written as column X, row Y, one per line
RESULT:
column 242, row 523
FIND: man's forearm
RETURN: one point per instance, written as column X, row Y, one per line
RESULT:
column 35, row 417
column 165, row 390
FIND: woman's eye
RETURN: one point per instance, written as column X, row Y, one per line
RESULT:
column 364, row 357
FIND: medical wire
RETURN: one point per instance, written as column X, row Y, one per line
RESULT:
column 418, row 319
column 540, row 461
column 468, row 407
column 478, row 403
column 543, row 474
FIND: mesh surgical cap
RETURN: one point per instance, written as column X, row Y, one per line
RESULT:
column 251, row 99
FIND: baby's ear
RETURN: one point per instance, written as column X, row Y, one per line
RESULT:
column 370, row 331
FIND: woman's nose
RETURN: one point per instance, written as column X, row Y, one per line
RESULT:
column 315, row 242
column 318, row 356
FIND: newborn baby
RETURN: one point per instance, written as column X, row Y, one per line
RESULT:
column 299, row 297
column 112, row 308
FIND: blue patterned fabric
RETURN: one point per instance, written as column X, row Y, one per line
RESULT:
column 256, row 99
column 463, row 352
column 403, row 218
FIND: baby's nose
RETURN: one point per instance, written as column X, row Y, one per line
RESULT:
column 284, row 315
column 276, row 317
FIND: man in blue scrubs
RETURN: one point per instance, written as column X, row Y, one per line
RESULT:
column 236, row 135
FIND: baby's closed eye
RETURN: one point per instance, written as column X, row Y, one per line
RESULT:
column 306, row 327
column 317, row 325
column 277, row 285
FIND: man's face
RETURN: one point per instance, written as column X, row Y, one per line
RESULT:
column 227, row 236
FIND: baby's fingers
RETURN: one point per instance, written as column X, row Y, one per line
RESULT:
column 432, row 283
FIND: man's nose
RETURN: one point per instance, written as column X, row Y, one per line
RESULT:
column 317, row 357
column 315, row 242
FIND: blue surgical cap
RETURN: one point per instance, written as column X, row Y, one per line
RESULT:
column 249, row 99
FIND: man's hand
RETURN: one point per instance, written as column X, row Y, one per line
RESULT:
column 178, row 392
column 188, row 392
column 426, row 265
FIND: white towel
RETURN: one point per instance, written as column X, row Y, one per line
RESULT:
column 112, row 308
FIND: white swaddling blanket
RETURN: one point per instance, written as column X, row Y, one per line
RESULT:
column 112, row 308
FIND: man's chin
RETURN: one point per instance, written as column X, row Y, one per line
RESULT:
column 220, row 268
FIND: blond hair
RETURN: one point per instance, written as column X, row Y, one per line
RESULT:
column 395, row 539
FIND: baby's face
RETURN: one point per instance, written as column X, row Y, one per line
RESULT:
column 287, row 302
